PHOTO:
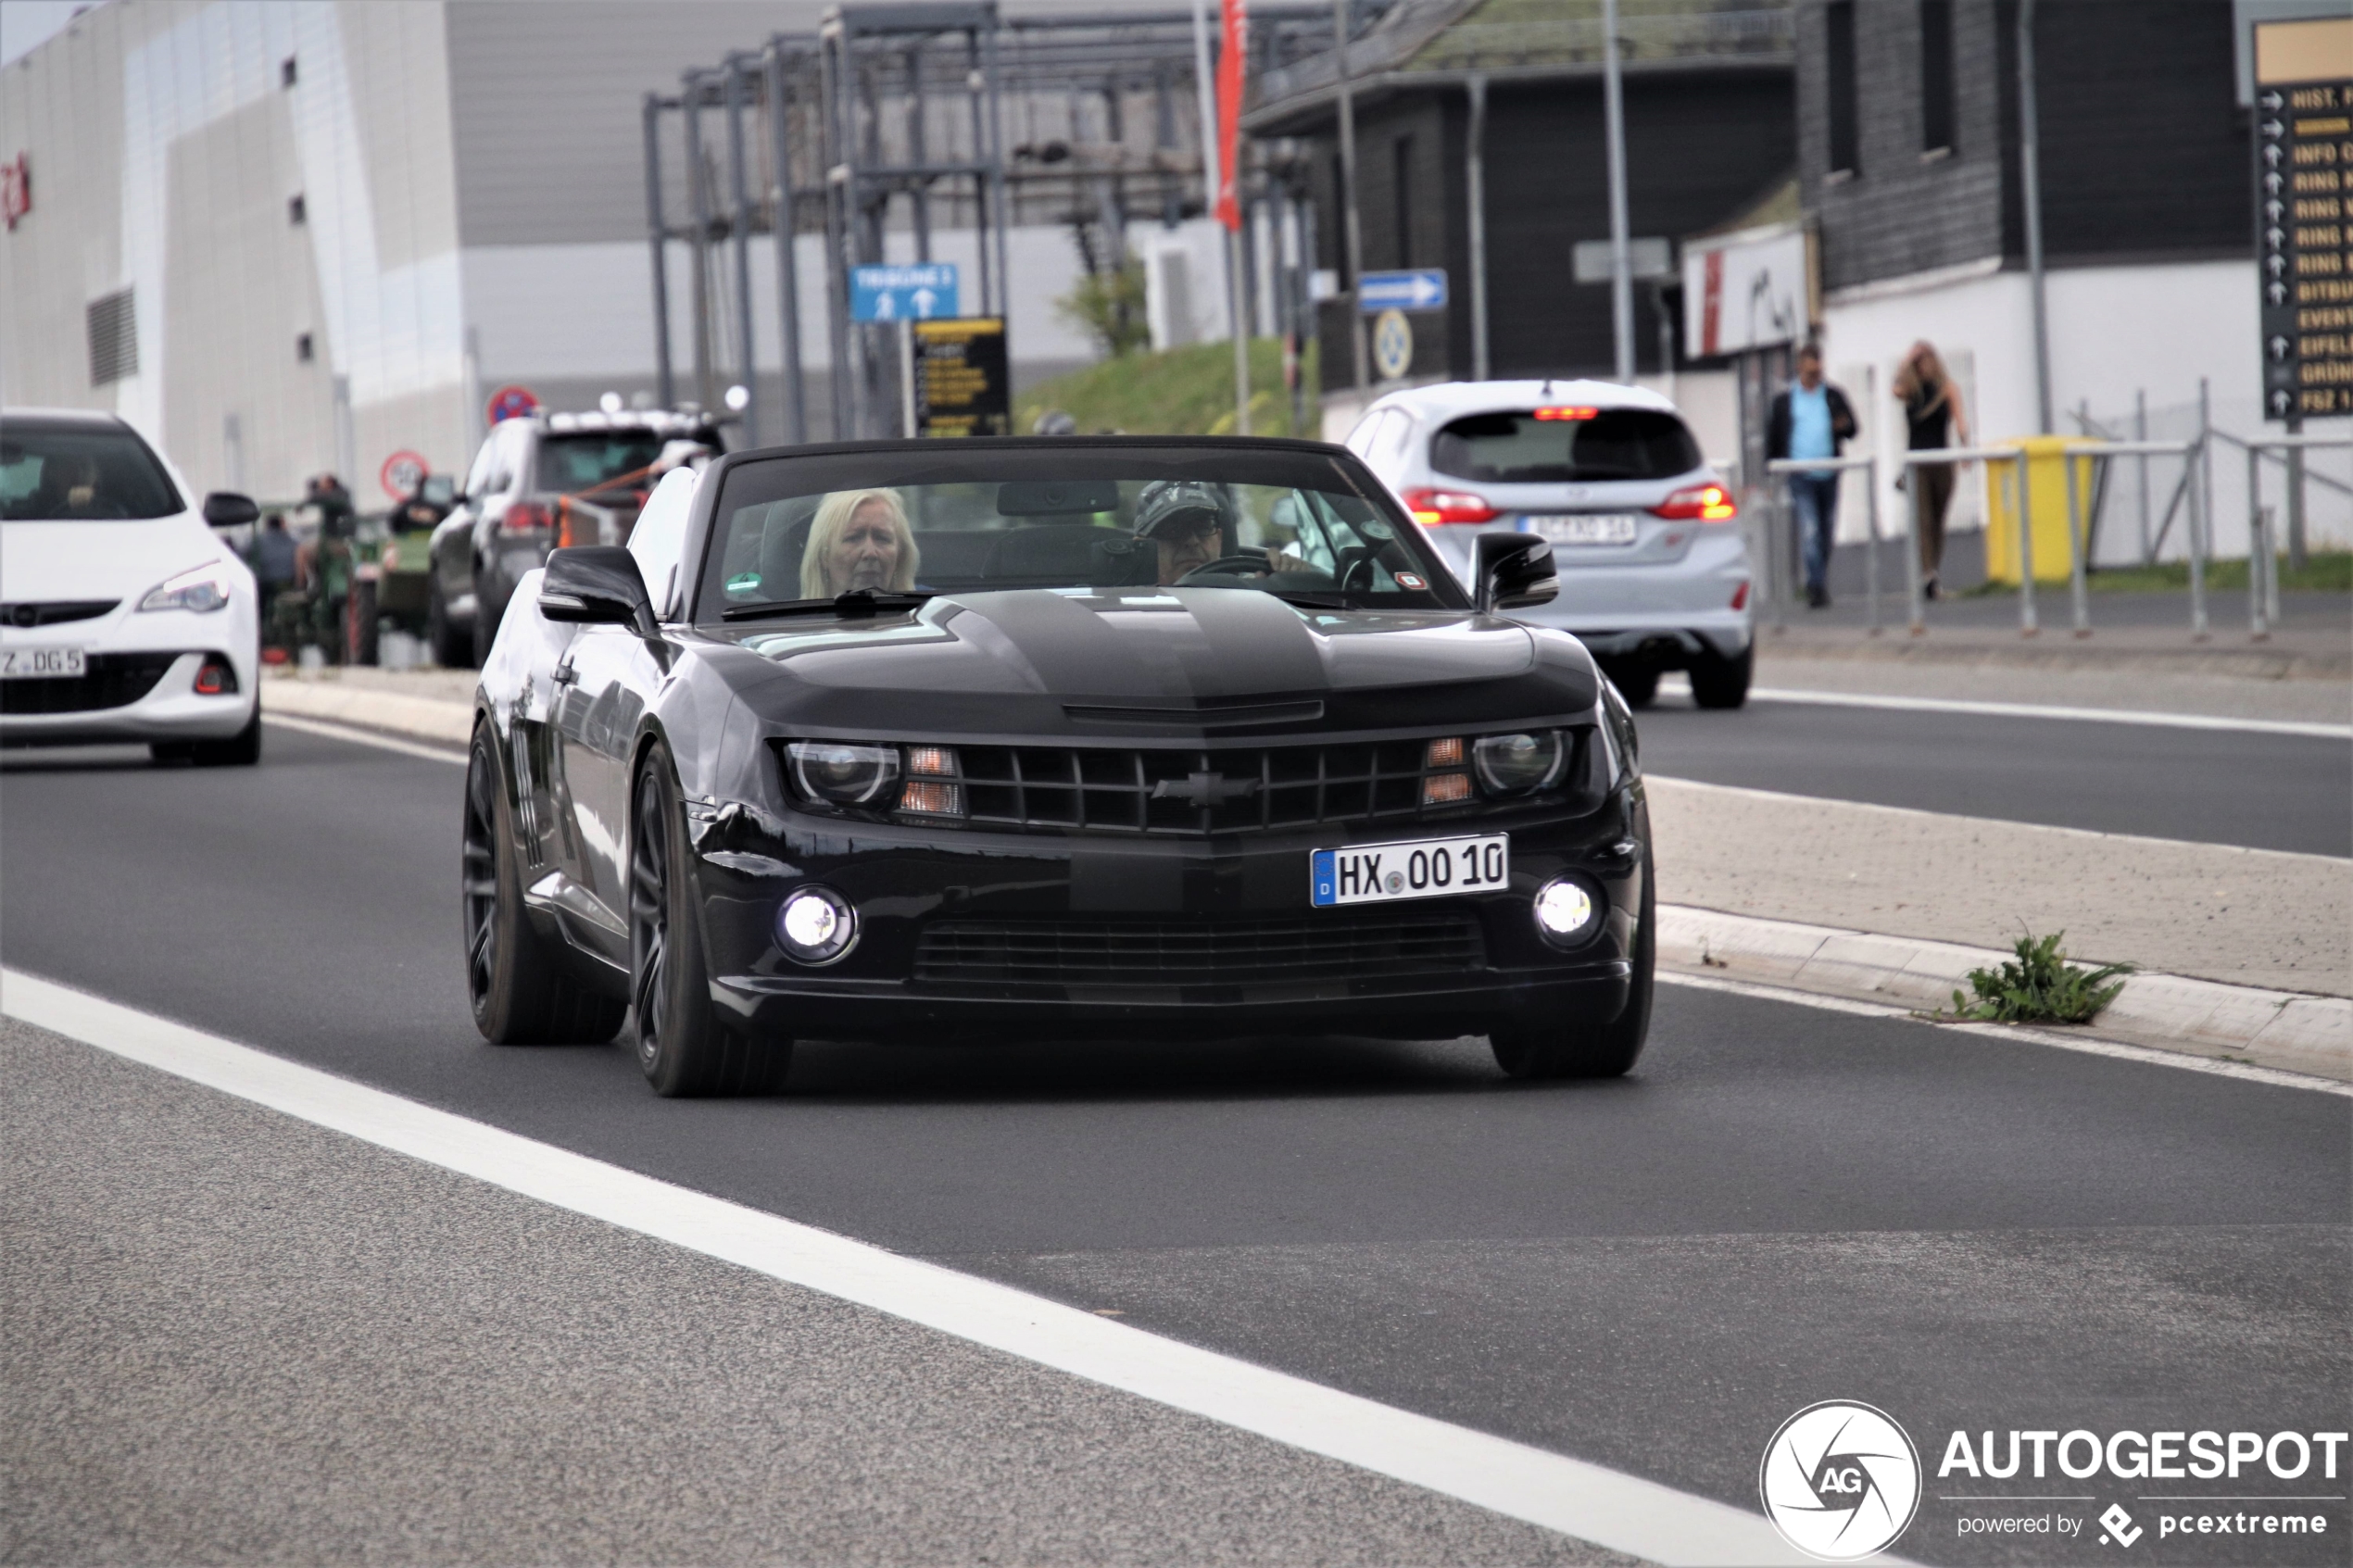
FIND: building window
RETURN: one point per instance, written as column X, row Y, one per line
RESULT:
column 1839, row 17
column 297, row 213
column 1401, row 197
column 114, row 339
column 303, row 349
column 1936, row 76
column 286, row 71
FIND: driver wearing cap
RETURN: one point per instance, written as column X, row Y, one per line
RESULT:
column 1187, row 521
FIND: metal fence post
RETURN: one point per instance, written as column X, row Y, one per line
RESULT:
column 1914, row 603
column 2195, row 474
column 2077, row 587
column 1776, row 558
column 2021, row 488
column 1870, row 550
column 2257, row 524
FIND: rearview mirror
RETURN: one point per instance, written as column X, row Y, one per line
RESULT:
column 1515, row 572
column 226, row 508
column 596, row 585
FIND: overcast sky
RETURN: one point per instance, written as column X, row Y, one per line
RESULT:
column 25, row 24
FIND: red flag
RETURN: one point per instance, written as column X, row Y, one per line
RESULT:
column 1236, row 16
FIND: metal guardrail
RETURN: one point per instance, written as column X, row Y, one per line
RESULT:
column 2019, row 496
column 2262, row 559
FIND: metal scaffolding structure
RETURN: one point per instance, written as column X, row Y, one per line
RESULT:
column 894, row 120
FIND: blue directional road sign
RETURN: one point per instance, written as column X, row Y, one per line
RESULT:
column 1422, row 289
column 923, row 292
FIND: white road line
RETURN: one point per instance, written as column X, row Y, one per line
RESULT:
column 2040, row 710
column 366, row 737
column 2150, row 1055
column 1613, row 1509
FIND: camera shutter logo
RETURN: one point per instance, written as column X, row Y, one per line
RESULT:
column 1840, row 1480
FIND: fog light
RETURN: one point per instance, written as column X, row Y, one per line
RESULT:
column 1566, row 911
column 217, row 678
column 816, row 925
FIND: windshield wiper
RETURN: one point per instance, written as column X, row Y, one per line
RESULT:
column 857, row 601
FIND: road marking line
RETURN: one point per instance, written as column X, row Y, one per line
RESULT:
column 366, row 737
column 1815, row 802
column 2151, row 1054
column 1613, row 1509
column 2040, row 710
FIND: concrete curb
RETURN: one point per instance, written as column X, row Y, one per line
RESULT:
column 427, row 718
column 2282, row 1029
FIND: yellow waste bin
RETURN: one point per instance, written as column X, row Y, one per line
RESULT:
column 2045, row 481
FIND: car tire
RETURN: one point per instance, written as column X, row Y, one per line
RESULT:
column 683, row 1045
column 240, row 750
column 514, row 978
column 1638, row 683
column 1717, row 682
column 1541, row 1045
column 452, row 647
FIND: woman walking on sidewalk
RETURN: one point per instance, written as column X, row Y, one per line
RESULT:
column 1932, row 410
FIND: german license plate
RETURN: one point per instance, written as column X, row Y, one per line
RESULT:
column 1421, row 867
column 34, row 664
column 1583, row 528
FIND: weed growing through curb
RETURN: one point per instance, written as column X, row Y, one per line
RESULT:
column 2040, row 986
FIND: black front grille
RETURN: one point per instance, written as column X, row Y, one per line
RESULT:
column 113, row 679
column 53, row 612
column 1182, row 791
column 1320, row 948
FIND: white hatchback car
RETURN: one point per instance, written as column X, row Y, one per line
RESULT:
column 1654, row 570
column 125, row 618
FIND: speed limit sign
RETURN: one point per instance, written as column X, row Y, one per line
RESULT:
column 402, row 472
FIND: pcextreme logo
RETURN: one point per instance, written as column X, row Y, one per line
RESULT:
column 1840, row 1480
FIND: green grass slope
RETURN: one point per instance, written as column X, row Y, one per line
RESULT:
column 1182, row 392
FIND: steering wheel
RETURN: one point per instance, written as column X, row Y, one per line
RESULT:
column 1257, row 565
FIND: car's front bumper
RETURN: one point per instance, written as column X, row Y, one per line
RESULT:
column 905, row 880
column 170, row 709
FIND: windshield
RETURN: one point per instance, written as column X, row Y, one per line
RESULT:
column 1540, row 446
column 69, row 473
column 1298, row 529
column 573, row 463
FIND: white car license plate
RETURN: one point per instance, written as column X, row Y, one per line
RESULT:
column 33, row 664
column 1422, row 868
column 1583, row 528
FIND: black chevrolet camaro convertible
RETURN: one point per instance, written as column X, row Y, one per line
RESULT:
column 1107, row 738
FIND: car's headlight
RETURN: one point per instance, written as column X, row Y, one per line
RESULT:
column 841, row 773
column 203, row 589
column 1516, row 764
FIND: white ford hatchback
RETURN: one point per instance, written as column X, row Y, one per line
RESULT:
column 1654, row 570
column 123, row 616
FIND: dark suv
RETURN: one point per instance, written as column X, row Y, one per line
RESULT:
column 541, row 482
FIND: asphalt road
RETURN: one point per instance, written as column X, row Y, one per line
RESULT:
column 2214, row 786
column 1785, row 1204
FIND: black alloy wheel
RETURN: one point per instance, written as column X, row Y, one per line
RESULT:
column 1543, row 1045
column 516, row 983
column 683, row 1046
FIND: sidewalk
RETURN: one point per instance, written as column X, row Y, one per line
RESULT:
column 2244, row 952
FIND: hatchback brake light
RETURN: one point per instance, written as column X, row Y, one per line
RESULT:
column 1706, row 502
column 1448, row 506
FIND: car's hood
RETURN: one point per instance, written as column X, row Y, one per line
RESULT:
column 1179, row 652
column 100, row 560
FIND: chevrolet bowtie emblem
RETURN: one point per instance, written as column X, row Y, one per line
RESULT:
column 1204, row 789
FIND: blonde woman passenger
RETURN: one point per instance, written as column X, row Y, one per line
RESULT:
column 859, row 539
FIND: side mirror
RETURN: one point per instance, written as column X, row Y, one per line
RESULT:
column 1514, row 571
column 226, row 508
column 596, row 585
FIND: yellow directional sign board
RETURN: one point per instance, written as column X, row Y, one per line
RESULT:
column 963, row 384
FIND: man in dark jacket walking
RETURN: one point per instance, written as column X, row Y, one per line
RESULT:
column 1812, row 419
